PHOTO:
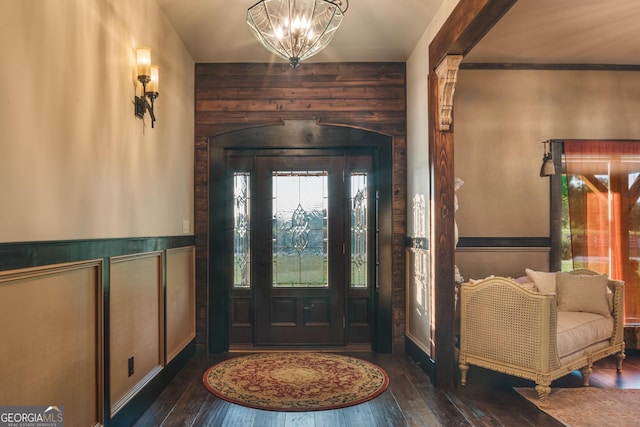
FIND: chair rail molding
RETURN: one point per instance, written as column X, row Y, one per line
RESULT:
column 447, row 72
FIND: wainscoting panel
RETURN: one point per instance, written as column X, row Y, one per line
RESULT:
column 51, row 334
column 136, row 324
column 180, row 300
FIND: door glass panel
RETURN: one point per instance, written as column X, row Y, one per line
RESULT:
column 300, row 229
column 359, row 208
column 241, row 230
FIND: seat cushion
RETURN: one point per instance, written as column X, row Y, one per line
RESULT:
column 579, row 330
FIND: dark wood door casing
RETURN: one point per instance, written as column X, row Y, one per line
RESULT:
column 301, row 138
column 358, row 96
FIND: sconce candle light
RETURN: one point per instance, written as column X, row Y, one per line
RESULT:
column 547, row 168
column 148, row 76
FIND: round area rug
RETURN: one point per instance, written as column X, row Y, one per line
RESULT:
column 296, row 381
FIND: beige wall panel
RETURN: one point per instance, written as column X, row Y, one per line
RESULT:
column 501, row 119
column 135, row 318
column 478, row 263
column 180, row 300
column 50, row 328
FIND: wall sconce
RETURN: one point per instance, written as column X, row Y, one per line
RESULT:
column 547, row 168
column 148, row 76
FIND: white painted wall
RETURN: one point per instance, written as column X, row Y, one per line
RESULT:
column 75, row 163
column 417, row 119
column 419, row 293
column 501, row 119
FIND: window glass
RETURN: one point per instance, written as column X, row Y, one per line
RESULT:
column 601, row 213
column 359, row 209
column 241, row 230
column 300, row 229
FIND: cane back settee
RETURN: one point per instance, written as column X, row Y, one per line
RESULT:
column 512, row 328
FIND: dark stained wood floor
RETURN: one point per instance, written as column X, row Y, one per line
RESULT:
column 488, row 399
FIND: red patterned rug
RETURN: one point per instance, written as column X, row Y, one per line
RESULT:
column 296, row 381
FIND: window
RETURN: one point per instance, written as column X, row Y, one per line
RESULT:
column 600, row 231
column 300, row 229
column 241, row 230
column 359, row 209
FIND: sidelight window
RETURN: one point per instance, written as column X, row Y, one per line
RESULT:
column 359, row 209
column 241, row 230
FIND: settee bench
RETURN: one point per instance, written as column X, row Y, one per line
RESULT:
column 515, row 329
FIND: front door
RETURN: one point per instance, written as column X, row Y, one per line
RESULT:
column 301, row 250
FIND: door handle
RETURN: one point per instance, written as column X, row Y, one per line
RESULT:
column 308, row 307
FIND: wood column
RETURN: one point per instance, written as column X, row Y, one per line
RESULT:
column 466, row 25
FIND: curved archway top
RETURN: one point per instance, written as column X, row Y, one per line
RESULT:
column 300, row 134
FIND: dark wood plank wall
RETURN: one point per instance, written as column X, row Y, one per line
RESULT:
column 370, row 96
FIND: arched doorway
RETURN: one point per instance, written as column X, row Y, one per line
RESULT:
column 287, row 263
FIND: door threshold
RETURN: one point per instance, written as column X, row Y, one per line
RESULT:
column 350, row 348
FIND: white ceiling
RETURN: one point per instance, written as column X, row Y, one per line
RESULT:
column 372, row 30
column 533, row 31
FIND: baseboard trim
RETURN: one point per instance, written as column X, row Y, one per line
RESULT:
column 129, row 413
column 420, row 358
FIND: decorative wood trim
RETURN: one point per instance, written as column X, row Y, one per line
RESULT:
column 135, row 390
column 133, row 257
column 135, row 293
column 31, row 300
column 447, row 72
column 33, row 254
column 33, row 272
column 130, row 412
column 172, row 349
column 555, row 207
column 488, row 249
column 558, row 67
column 504, row 242
column 466, row 25
column 232, row 97
column 307, row 136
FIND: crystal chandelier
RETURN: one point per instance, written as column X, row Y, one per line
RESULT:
column 296, row 29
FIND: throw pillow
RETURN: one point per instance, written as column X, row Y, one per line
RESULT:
column 586, row 293
column 545, row 282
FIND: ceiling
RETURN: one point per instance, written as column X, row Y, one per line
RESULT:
column 564, row 32
column 532, row 31
column 372, row 30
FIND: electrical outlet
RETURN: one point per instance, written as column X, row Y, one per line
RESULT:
column 130, row 365
column 186, row 226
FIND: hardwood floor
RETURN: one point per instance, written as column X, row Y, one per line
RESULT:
column 488, row 399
